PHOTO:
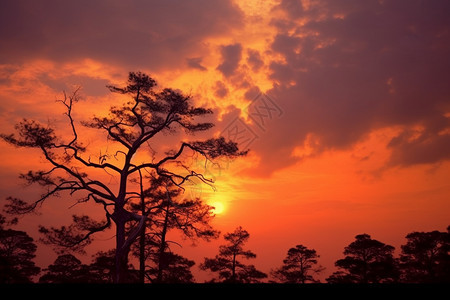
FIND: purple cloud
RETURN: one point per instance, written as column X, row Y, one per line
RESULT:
column 355, row 66
column 231, row 56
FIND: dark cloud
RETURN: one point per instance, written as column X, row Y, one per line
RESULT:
column 355, row 66
column 252, row 93
column 254, row 60
column 231, row 56
column 220, row 89
column 293, row 8
column 196, row 63
column 95, row 87
column 136, row 34
column 428, row 144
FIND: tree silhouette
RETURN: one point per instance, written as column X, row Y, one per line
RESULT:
column 176, row 269
column 226, row 263
column 17, row 251
column 425, row 257
column 69, row 269
column 129, row 129
column 66, row 269
column 170, row 211
column 102, row 268
column 367, row 261
column 70, row 238
column 298, row 266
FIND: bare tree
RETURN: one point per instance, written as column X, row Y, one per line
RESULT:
column 130, row 128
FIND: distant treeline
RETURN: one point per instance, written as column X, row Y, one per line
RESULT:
column 424, row 258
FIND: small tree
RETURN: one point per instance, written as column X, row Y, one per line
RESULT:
column 228, row 266
column 102, row 268
column 66, row 269
column 170, row 211
column 425, row 257
column 367, row 261
column 129, row 130
column 177, row 269
column 69, row 269
column 298, row 266
column 17, row 251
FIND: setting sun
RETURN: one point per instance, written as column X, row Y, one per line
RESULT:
column 219, row 207
column 217, row 201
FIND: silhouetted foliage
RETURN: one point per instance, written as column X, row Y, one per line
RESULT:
column 66, row 269
column 164, row 202
column 69, row 269
column 175, row 269
column 129, row 129
column 342, row 277
column 298, row 266
column 71, row 238
column 425, row 257
column 226, row 263
column 102, row 268
column 17, row 251
column 367, row 261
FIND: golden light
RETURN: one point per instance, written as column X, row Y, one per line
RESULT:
column 219, row 207
column 218, row 202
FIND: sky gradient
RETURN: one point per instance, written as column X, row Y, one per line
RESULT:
column 344, row 105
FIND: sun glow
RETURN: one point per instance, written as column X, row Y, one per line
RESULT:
column 219, row 207
column 218, row 202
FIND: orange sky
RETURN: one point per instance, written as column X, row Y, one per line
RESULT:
column 359, row 136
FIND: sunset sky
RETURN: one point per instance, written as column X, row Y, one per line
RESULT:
column 344, row 105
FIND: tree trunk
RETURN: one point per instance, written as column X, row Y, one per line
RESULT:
column 121, row 259
column 302, row 272
column 142, row 256
column 123, row 243
column 121, row 217
column 162, row 247
column 233, row 271
column 142, row 237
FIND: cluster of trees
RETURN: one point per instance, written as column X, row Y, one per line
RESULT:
column 424, row 258
column 133, row 179
column 139, row 188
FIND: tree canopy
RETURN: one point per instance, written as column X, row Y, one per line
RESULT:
column 367, row 261
column 425, row 257
column 299, row 266
column 227, row 263
column 17, row 251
